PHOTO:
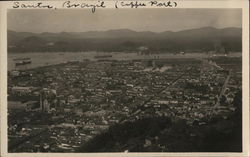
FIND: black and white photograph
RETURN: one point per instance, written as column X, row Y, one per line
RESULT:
column 124, row 80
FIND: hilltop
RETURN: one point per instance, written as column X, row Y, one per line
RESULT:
column 125, row 40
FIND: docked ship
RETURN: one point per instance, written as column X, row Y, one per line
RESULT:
column 22, row 61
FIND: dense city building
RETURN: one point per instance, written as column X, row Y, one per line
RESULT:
column 58, row 108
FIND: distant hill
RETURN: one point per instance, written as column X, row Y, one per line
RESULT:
column 125, row 40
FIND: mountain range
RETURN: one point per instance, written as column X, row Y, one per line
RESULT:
column 124, row 40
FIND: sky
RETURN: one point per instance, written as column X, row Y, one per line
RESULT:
column 155, row 20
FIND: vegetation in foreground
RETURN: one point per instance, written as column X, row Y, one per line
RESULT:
column 161, row 134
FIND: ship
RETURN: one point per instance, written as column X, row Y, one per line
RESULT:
column 103, row 56
column 22, row 61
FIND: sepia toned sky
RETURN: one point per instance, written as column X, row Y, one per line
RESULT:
column 156, row 20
